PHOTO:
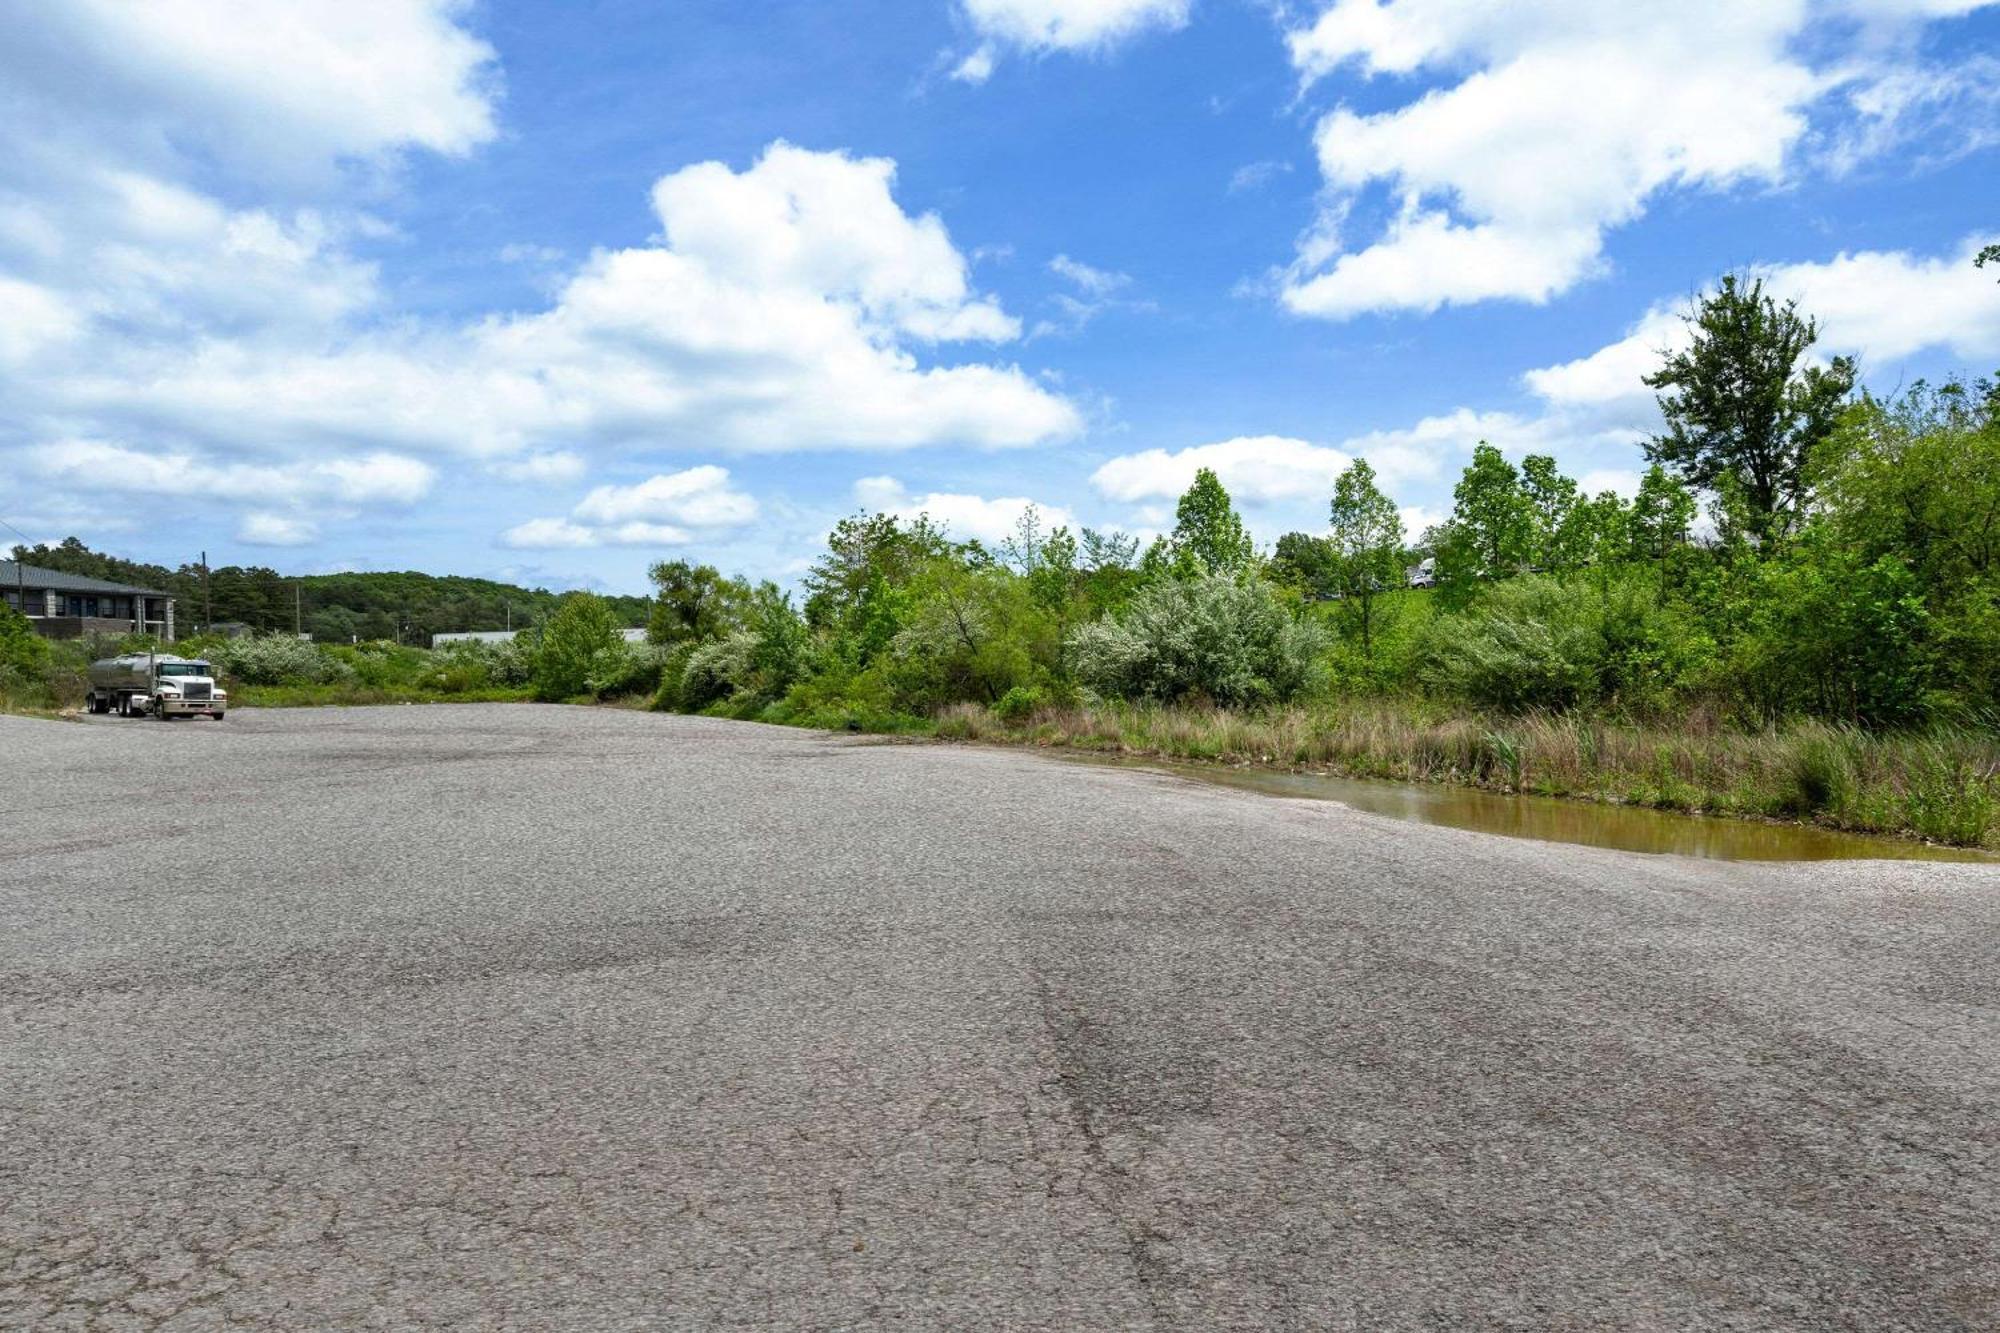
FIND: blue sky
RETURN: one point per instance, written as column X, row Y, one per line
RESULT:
column 552, row 292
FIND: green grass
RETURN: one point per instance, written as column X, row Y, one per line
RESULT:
column 1942, row 785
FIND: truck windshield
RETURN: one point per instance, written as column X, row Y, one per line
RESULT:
column 183, row 668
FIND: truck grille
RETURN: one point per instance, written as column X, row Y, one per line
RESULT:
column 194, row 691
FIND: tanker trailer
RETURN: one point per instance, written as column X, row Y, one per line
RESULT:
column 158, row 684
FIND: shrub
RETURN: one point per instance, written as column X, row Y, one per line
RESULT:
column 579, row 647
column 673, row 665
column 503, row 664
column 718, row 670
column 1832, row 636
column 967, row 634
column 1018, row 704
column 1211, row 636
column 278, row 659
column 26, row 663
column 1547, row 643
column 749, row 669
column 636, row 670
column 22, row 651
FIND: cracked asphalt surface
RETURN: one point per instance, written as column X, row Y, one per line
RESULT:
column 537, row 1018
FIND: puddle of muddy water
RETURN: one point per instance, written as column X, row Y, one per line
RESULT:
column 1551, row 819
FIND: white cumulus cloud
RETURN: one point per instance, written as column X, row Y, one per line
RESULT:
column 1255, row 468
column 1042, row 26
column 1070, row 25
column 267, row 529
column 1559, row 121
column 988, row 520
column 264, row 84
column 669, row 509
column 377, row 478
column 699, row 497
column 548, row 534
column 1879, row 306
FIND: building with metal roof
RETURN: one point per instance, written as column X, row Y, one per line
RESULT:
column 69, row 606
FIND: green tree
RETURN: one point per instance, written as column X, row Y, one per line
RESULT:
column 1740, row 406
column 1990, row 255
column 1917, row 480
column 333, row 624
column 1108, row 550
column 1108, row 564
column 579, row 646
column 694, row 603
column 1367, row 538
column 1491, row 530
column 1552, row 506
column 1661, row 514
column 1598, row 532
column 1305, row 562
column 1831, row 633
column 22, row 651
column 973, row 632
column 1208, row 534
column 858, row 593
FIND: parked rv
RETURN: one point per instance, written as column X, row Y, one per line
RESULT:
column 155, row 684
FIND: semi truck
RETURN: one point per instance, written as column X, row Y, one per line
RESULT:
column 155, row 684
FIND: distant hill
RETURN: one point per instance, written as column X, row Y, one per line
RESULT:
column 404, row 605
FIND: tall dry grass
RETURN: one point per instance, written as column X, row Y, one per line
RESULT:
column 1942, row 785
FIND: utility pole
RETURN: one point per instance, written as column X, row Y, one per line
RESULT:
column 298, row 608
column 207, row 601
column 20, row 569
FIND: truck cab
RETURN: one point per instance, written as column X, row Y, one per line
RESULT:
column 157, row 685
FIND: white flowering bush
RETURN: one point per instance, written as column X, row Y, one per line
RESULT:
column 1228, row 640
column 277, row 659
column 719, row 669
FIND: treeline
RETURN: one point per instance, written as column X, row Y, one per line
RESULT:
column 1798, row 612
column 1848, row 570
column 406, row 607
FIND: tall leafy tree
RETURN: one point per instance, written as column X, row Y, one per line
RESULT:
column 1742, row 407
column 1491, row 532
column 1661, row 513
column 1598, row 532
column 1990, row 255
column 1555, row 539
column 1301, row 560
column 1107, row 562
column 859, row 586
column 1208, row 533
column 1367, row 539
column 1107, row 550
column 694, row 602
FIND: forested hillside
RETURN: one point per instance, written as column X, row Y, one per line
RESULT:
column 405, row 606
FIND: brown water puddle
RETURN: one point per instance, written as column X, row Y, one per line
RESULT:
column 1552, row 819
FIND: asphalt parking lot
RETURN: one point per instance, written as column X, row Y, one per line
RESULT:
column 518, row 1017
